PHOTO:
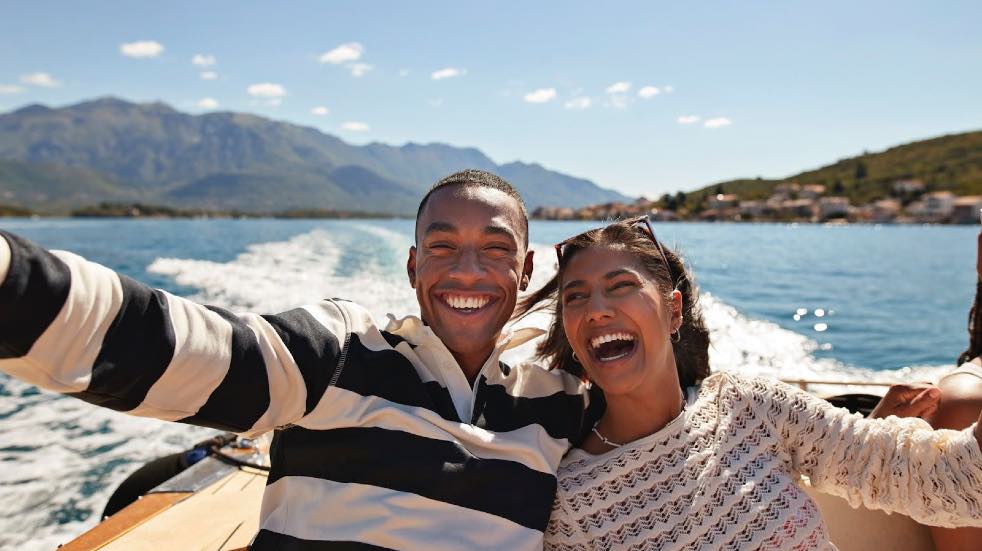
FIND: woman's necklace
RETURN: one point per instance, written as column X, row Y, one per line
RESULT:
column 615, row 445
column 603, row 438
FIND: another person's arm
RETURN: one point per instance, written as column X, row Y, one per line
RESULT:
column 76, row 327
column 908, row 400
column 895, row 464
column 961, row 402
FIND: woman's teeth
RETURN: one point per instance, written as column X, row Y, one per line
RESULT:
column 597, row 341
column 466, row 303
column 611, row 347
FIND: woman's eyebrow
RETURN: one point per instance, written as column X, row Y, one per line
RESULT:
column 574, row 283
column 614, row 273
column 609, row 275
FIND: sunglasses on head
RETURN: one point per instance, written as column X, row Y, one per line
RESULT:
column 640, row 222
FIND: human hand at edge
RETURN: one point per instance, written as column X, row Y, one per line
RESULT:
column 908, row 400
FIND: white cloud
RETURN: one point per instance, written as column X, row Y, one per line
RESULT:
column 208, row 103
column 448, row 72
column 266, row 90
column 542, row 95
column 349, row 51
column 688, row 119
column 578, row 103
column 355, row 126
column 435, row 102
column 618, row 87
column 359, row 69
column 718, row 122
column 43, row 80
column 141, row 49
column 209, row 75
column 203, row 60
column 404, row 72
column 668, row 89
column 320, row 111
column 10, row 89
column 648, row 92
column 619, row 101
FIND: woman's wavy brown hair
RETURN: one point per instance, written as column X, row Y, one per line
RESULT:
column 692, row 349
column 974, row 328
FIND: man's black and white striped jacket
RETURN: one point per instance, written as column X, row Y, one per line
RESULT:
column 381, row 442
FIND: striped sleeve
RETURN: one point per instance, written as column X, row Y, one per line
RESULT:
column 76, row 327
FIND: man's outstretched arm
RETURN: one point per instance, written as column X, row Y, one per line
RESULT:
column 76, row 327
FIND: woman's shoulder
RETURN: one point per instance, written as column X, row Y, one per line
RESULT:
column 740, row 385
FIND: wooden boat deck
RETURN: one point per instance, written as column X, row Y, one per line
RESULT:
column 221, row 517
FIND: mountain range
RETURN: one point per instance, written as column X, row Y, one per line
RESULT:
column 108, row 149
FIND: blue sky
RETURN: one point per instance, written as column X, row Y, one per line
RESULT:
column 643, row 97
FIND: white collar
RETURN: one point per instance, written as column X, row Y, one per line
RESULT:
column 417, row 333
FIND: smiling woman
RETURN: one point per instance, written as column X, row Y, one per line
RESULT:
column 719, row 468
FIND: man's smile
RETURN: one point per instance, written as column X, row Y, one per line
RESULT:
column 466, row 303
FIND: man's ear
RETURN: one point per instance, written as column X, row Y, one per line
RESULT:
column 411, row 266
column 526, row 271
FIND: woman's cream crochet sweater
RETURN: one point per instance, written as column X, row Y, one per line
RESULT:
column 723, row 475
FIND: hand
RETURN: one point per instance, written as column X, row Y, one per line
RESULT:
column 908, row 400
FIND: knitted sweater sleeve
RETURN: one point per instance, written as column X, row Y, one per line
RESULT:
column 894, row 464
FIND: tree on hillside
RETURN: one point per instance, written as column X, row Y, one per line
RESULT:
column 719, row 190
column 860, row 170
column 668, row 202
column 838, row 188
column 680, row 198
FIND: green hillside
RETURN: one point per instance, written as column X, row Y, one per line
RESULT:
column 952, row 162
column 152, row 153
column 56, row 188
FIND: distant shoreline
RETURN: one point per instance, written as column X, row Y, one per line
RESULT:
column 142, row 211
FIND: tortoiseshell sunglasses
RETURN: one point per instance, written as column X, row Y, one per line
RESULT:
column 642, row 223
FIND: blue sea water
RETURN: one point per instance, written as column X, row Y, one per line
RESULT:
column 808, row 301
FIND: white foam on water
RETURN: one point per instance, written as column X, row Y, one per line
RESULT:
column 62, row 459
column 744, row 345
column 67, row 444
column 274, row 277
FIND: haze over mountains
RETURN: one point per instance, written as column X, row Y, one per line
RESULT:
column 56, row 159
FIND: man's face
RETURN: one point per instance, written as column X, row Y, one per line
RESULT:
column 467, row 267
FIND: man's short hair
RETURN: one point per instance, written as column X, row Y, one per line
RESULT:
column 478, row 178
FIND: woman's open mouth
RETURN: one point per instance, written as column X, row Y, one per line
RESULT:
column 612, row 346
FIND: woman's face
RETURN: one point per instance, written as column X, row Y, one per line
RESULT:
column 618, row 321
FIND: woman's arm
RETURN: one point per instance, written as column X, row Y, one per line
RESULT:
column 895, row 464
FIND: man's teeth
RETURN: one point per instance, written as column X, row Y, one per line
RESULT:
column 471, row 303
column 597, row 341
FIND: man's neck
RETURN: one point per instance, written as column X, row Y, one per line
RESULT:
column 471, row 362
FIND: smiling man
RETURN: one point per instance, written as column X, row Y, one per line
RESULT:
column 412, row 436
column 471, row 260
